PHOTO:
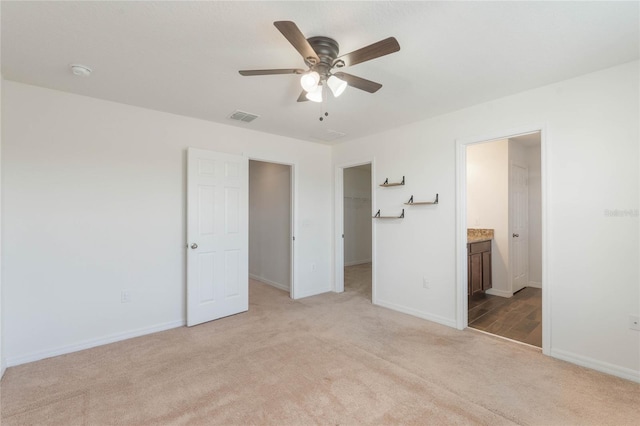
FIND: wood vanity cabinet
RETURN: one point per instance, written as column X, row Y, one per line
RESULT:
column 478, row 267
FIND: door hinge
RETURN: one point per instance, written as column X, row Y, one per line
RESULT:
column 294, row 238
column 342, row 235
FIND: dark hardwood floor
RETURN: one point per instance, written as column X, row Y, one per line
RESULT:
column 518, row 318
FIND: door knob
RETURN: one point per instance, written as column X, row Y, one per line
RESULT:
column 514, row 236
column 194, row 246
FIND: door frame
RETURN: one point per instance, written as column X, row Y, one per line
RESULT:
column 293, row 215
column 338, row 282
column 462, row 317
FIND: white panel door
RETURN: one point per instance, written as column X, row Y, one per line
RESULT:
column 519, row 219
column 217, row 235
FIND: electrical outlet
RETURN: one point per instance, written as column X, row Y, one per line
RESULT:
column 634, row 322
column 125, row 297
column 425, row 283
column 313, row 267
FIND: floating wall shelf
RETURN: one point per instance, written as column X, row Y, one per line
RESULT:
column 386, row 182
column 413, row 203
column 377, row 216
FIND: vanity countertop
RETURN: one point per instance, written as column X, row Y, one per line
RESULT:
column 475, row 235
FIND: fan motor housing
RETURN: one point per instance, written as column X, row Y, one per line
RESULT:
column 327, row 50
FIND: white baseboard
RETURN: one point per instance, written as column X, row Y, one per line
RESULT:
column 604, row 367
column 500, row 293
column 535, row 284
column 271, row 283
column 357, row 262
column 312, row 293
column 416, row 313
column 92, row 343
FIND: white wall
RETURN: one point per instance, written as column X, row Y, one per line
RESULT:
column 94, row 202
column 270, row 223
column 488, row 205
column 533, row 155
column 3, row 364
column 357, row 215
column 591, row 151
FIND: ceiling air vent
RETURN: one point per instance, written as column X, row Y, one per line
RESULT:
column 328, row 135
column 247, row 117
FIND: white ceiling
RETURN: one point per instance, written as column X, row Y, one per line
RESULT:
column 184, row 57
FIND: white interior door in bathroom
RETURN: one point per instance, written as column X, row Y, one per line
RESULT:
column 519, row 220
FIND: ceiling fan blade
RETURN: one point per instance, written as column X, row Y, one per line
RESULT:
column 373, row 51
column 291, row 32
column 359, row 83
column 303, row 97
column 271, row 72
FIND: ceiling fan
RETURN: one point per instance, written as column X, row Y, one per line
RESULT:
column 320, row 54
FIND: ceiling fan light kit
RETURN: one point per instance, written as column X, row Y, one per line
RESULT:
column 315, row 95
column 336, row 85
column 309, row 81
column 320, row 54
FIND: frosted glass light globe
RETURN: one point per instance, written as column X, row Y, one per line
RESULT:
column 309, row 81
column 336, row 85
column 315, row 95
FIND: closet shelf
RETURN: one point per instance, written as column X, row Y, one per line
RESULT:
column 414, row 203
column 377, row 216
column 386, row 183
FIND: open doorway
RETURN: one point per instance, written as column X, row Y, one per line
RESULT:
column 354, row 229
column 502, row 195
column 270, row 224
column 357, row 230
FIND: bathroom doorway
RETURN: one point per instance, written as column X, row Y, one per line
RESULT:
column 504, row 237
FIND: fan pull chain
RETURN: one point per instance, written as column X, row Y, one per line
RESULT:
column 326, row 114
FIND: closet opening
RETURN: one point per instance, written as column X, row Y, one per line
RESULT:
column 270, row 225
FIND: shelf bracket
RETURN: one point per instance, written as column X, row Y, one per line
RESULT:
column 411, row 202
column 377, row 216
column 386, row 182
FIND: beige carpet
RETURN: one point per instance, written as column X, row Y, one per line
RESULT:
column 330, row 359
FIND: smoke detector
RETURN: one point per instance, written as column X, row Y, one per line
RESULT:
column 80, row 70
